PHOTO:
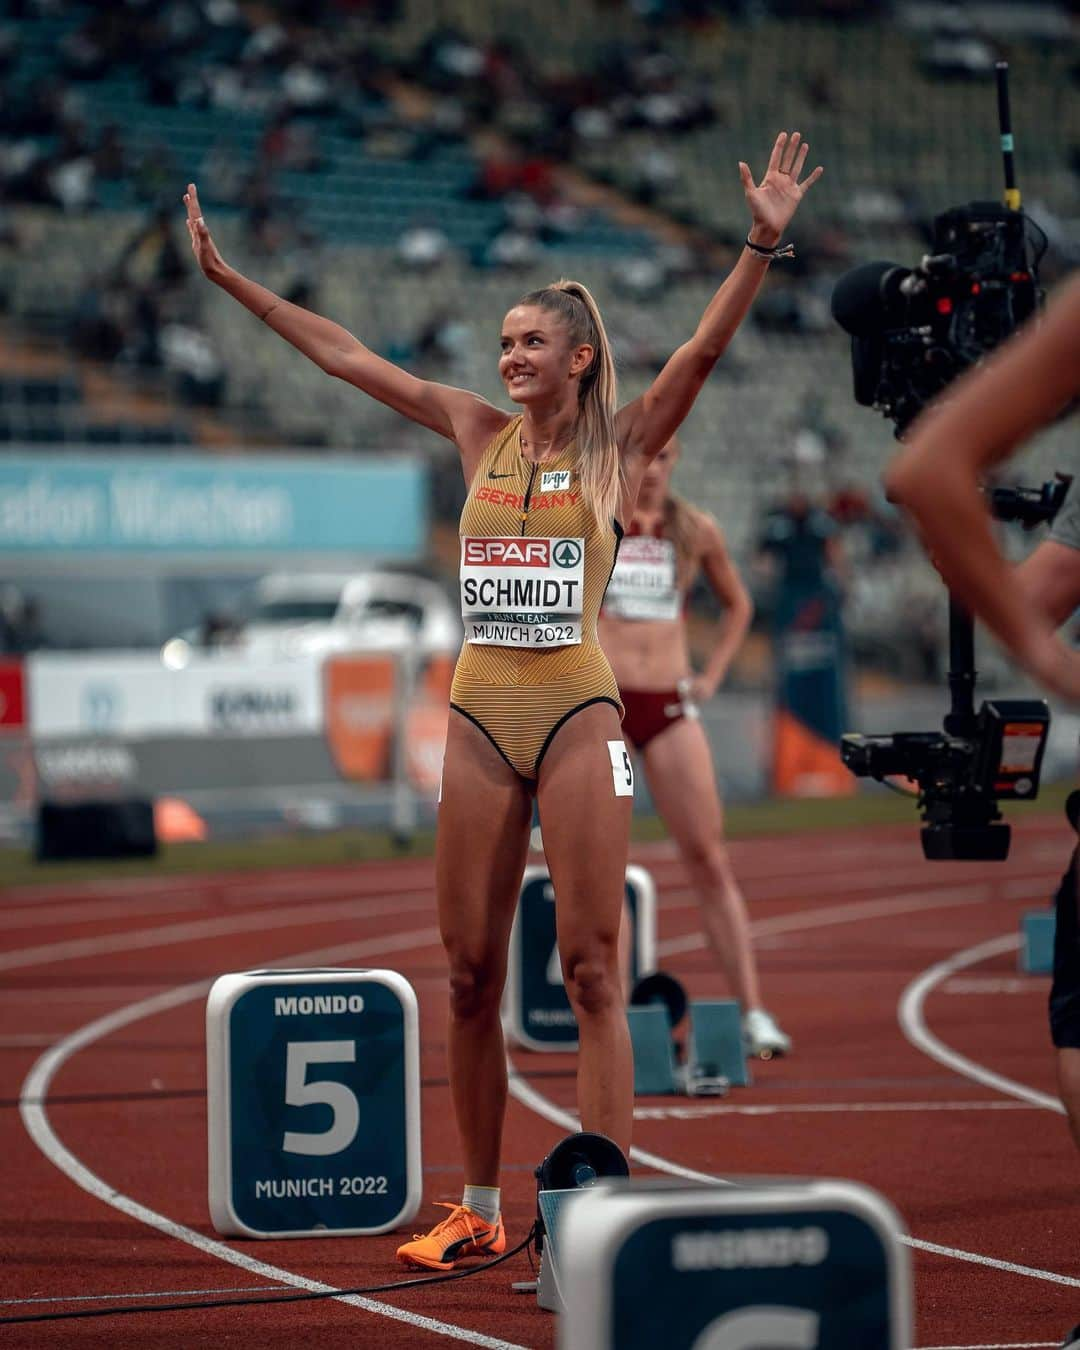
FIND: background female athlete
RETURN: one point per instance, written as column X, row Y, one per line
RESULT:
column 556, row 365
column 642, row 630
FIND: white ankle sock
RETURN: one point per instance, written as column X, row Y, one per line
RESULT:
column 483, row 1200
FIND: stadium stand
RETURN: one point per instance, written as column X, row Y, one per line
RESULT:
column 411, row 182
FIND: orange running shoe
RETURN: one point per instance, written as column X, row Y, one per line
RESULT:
column 463, row 1233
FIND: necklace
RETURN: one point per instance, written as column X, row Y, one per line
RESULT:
column 526, row 444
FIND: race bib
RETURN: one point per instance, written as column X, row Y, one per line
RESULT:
column 643, row 583
column 522, row 592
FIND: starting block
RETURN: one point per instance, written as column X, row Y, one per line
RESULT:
column 536, row 1010
column 313, row 1102
column 656, row 1069
column 579, row 1161
column 716, row 1042
column 715, row 1058
column 1037, row 942
column 785, row 1263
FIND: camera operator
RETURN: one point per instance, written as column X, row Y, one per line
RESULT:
column 982, row 420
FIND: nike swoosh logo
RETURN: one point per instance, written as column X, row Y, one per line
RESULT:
column 502, row 475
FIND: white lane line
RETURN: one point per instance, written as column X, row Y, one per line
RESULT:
column 907, row 903
column 51, row 892
column 217, row 894
column 995, row 1263
column 912, row 1017
column 124, row 1295
column 702, row 1111
column 79, row 993
column 144, row 939
column 98, row 913
column 942, row 897
column 1034, row 886
column 1013, row 984
column 34, row 1095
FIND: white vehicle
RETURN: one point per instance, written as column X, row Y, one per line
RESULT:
column 296, row 614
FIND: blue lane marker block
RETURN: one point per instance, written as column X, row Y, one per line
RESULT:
column 1037, row 942
column 654, row 1053
column 807, row 1264
column 313, row 1102
column 716, row 1043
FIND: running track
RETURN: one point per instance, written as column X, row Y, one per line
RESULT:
column 922, row 1068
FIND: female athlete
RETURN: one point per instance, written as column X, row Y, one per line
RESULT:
column 642, row 631
column 536, row 710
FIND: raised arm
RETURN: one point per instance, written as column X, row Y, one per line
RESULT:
column 648, row 423
column 466, row 419
column 980, row 421
column 728, row 587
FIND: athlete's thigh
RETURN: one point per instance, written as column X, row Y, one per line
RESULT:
column 585, row 794
column 679, row 767
column 481, row 842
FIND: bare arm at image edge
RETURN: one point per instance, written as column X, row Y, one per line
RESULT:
column 981, row 421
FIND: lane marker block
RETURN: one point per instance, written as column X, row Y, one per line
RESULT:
column 716, row 1042
column 313, row 1102
column 655, row 1069
column 799, row 1264
column 536, row 1012
column 1037, row 942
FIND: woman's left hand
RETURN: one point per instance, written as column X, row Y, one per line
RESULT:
column 697, row 689
column 776, row 198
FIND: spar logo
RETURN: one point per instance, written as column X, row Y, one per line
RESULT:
column 508, row 552
column 567, row 553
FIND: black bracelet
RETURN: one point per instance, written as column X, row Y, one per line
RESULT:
column 780, row 251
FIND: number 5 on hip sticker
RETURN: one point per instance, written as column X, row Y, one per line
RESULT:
column 622, row 771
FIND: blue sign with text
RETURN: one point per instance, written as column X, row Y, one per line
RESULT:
column 314, row 1098
column 181, row 504
column 755, row 1265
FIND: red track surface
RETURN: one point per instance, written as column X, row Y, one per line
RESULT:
column 845, row 924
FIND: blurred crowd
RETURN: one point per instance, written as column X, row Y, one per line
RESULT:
column 313, row 72
column 301, row 68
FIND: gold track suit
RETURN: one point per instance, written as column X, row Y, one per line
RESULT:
column 517, row 678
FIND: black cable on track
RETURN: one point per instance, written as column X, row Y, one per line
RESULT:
column 306, row 1296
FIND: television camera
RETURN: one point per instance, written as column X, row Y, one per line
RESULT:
column 913, row 331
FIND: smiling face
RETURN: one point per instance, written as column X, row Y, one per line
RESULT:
column 654, row 484
column 537, row 360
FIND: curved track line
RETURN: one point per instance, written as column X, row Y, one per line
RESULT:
column 34, row 1095
column 935, row 899
column 911, row 1015
column 527, row 1095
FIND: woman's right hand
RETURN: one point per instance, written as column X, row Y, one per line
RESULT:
column 207, row 256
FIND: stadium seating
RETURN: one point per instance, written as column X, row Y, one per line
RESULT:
column 887, row 131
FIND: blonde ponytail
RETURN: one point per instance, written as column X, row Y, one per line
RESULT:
column 597, row 448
